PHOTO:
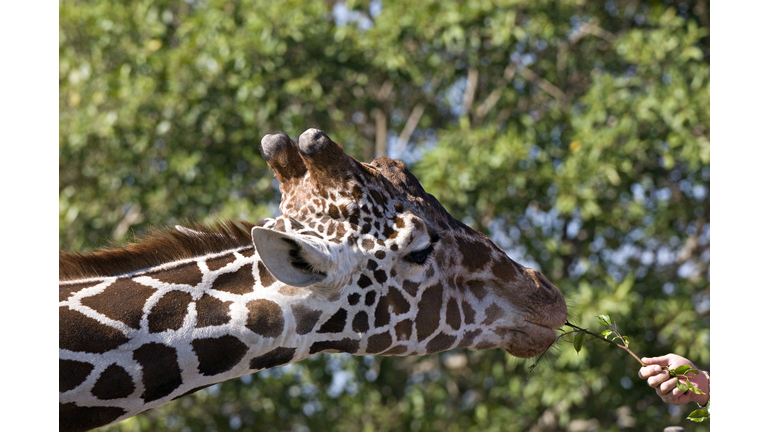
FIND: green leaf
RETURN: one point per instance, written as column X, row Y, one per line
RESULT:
column 604, row 319
column 578, row 340
column 680, row 370
column 606, row 333
column 699, row 415
column 626, row 341
column 682, row 387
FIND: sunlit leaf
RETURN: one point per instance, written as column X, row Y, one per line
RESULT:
column 699, row 415
column 680, row 370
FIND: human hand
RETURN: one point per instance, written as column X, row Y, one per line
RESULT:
column 666, row 386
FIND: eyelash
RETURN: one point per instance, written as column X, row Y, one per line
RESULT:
column 420, row 257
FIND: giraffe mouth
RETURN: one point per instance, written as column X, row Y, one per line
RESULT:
column 530, row 339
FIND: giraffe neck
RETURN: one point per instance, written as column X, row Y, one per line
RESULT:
column 133, row 342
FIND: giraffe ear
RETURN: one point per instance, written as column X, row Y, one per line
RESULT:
column 292, row 259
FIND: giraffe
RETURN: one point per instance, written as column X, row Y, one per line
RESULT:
column 361, row 260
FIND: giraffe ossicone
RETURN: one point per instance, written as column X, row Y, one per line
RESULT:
column 361, row 260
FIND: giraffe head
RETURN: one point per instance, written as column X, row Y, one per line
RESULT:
column 410, row 277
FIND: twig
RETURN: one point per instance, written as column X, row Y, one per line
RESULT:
column 606, row 340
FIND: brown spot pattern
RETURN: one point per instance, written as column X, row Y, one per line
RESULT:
column 335, row 323
column 220, row 262
column 399, row 304
column 353, row 299
column 218, row 355
column 403, row 329
column 74, row 418
column 346, row 345
column 237, row 282
column 78, row 332
column 506, row 270
column 477, row 288
column 265, row 276
column 305, row 318
column 72, row 373
column 212, row 311
column 276, row 357
column 185, row 274
column 474, row 254
column 378, row 342
column 370, row 298
column 364, row 282
column 441, row 342
column 395, row 350
column 469, row 337
column 121, row 301
column 265, row 318
column 381, row 315
column 279, row 226
column 114, row 383
column 493, row 313
column 428, row 318
column 67, row 290
column 169, row 312
column 380, row 276
column 161, row 374
column 360, row 322
column 469, row 313
column 452, row 314
column 411, row 287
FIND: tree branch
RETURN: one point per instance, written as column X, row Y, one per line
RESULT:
column 410, row 126
column 493, row 98
column 381, row 133
column 469, row 91
column 543, row 84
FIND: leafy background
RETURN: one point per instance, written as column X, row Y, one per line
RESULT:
column 574, row 133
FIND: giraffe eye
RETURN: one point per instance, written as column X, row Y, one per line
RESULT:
column 420, row 257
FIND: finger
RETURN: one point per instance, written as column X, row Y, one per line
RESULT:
column 668, row 398
column 658, row 380
column 677, row 396
column 671, row 399
column 662, row 361
column 670, row 385
column 646, row 372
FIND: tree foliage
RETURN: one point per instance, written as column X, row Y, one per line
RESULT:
column 574, row 133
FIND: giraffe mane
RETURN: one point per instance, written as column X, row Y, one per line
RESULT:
column 157, row 247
